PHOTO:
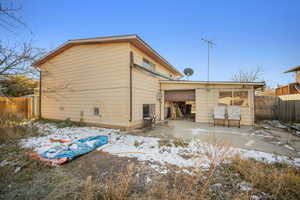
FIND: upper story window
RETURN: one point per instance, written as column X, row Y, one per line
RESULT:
column 149, row 65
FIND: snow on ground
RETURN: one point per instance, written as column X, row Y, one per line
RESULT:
column 196, row 131
column 41, row 144
column 145, row 148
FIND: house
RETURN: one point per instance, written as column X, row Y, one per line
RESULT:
column 292, row 89
column 119, row 81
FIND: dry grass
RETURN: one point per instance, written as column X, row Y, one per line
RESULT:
column 280, row 180
column 13, row 128
column 63, row 123
column 36, row 180
column 180, row 142
column 164, row 142
column 137, row 143
column 173, row 186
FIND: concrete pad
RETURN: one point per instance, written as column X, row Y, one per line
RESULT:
column 272, row 140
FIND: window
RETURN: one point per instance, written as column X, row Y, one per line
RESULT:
column 148, row 110
column 237, row 98
column 149, row 65
column 96, row 111
column 240, row 98
column 225, row 98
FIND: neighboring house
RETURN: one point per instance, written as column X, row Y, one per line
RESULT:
column 292, row 89
column 118, row 81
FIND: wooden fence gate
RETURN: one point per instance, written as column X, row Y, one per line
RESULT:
column 22, row 106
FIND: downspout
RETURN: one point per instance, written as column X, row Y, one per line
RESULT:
column 40, row 96
column 130, row 85
column 254, row 107
column 160, row 102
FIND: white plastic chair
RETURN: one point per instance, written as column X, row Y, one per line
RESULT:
column 234, row 114
column 219, row 114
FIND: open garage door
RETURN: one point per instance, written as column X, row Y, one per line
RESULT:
column 180, row 104
column 180, row 95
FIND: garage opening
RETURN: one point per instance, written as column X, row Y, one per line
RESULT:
column 180, row 105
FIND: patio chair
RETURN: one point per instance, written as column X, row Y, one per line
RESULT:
column 234, row 114
column 219, row 114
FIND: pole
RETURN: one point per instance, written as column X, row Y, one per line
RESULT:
column 207, row 62
column 209, row 44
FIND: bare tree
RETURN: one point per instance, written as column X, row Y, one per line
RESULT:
column 17, row 59
column 248, row 75
column 10, row 19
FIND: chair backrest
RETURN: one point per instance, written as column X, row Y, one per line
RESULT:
column 219, row 112
column 234, row 112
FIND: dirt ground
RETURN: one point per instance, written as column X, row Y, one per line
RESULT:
column 261, row 137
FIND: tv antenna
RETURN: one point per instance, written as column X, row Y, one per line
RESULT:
column 210, row 43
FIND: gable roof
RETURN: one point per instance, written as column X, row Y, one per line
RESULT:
column 132, row 39
column 293, row 69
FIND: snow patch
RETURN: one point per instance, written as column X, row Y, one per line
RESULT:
column 196, row 131
column 194, row 155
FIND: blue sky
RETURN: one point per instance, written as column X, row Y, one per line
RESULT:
column 248, row 34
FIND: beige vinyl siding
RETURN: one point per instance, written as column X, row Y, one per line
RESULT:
column 138, row 59
column 84, row 77
column 206, row 100
column 144, row 91
column 145, row 88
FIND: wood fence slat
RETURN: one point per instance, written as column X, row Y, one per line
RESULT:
column 22, row 106
column 273, row 107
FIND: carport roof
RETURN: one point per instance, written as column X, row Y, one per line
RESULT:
column 255, row 84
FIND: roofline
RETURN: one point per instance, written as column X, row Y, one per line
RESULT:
column 297, row 68
column 107, row 39
column 152, row 72
column 214, row 82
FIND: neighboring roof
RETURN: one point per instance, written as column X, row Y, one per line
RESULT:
column 132, row 39
column 257, row 84
column 293, row 69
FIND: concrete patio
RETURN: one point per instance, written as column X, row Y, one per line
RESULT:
column 268, row 139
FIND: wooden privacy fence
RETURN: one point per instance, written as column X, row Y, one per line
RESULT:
column 22, row 106
column 274, row 107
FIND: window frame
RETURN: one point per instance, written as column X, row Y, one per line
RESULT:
column 233, row 100
column 148, row 64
